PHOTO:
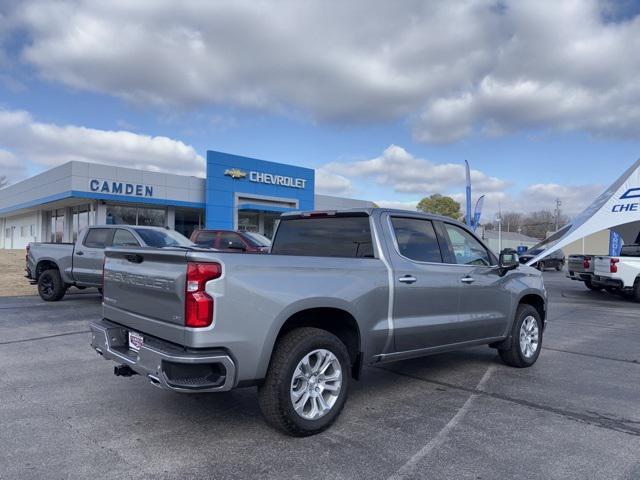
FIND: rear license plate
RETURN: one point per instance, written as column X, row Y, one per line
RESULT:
column 135, row 341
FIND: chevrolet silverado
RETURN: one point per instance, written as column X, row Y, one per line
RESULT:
column 338, row 290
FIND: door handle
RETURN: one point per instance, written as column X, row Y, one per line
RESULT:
column 408, row 279
column 468, row 280
column 80, row 253
column 134, row 258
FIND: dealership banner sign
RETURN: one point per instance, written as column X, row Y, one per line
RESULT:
column 617, row 208
column 120, row 188
column 267, row 178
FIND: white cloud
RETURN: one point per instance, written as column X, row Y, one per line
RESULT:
column 454, row 68
column 331, row 183
column 405, row 173
column 573, row 198
column 399, row 205
column 48, row 145
column 10, row 166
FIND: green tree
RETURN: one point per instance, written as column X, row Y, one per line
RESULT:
column 440, row 205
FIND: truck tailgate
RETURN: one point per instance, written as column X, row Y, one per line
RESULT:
column 576, row 263
column 602, row 266
column 144, row 289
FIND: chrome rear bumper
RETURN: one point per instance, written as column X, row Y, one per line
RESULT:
column 164, row 364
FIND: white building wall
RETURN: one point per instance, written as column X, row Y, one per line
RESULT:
column 22, row 230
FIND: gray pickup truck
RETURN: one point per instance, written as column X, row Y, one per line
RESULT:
column 337, row 291
column 55, row 267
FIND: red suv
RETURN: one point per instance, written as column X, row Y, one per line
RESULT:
column 231, row 241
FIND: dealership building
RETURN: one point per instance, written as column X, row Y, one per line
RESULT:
column 238, row 193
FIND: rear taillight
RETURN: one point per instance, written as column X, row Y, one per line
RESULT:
column 198, row 306
column 587, row 263
column 613, row 265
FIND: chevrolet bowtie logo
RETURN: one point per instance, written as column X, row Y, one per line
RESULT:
column 235, row 173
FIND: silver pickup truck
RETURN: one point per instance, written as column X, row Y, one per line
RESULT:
column 338, row 290
column 55, row 267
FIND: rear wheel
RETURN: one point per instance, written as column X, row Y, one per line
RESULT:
column 559, row 267
column 589, row 284
column 636, row 291
column 307, row 382
column 526, row 338
column 541, row 266
column 51, row 288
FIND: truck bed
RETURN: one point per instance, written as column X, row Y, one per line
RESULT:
column 144, row 290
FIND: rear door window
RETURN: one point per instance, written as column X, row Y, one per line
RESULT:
column 630, row 251
column 348, row 237
column 98, row 237
column 205, row 239
column 124, row 238
column 416, row 239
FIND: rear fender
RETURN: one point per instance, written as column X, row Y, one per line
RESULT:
column 287, row 313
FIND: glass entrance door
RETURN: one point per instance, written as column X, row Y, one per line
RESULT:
column 248, row 222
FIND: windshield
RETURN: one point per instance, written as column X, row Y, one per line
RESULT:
column 163, row 238
column 259, row 240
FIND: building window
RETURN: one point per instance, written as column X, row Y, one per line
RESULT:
column 152, row 217
column 23, row 231
column 123, row 215
column 187, row 221
column 248, row 222
column 80, row 219
column 119, row 215
column 57, row 225
column 7, row 233
column 32, row 230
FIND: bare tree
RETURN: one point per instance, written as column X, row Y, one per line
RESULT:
column 511, row 221
column 536, row 224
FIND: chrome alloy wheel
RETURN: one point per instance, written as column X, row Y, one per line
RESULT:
column 529, row 337
column 316, row 384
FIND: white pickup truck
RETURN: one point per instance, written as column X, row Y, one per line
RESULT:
column 621, row 273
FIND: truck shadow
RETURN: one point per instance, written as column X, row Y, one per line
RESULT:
column 380, row 385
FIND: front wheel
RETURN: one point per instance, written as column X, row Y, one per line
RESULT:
column 541, row 266
column 307, row 382
column 526, row 338
column 51, row 288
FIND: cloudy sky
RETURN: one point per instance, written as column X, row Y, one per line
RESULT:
column 385, row 99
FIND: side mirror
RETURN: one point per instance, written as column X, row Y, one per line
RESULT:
column 508, row 261
column 236, row 246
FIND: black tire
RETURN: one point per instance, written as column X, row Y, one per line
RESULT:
column 559, row 267
column 589, row 284
column 541, row 266
column 514, row 356
column 51, row 288
column 636, row 291
column 274, row 395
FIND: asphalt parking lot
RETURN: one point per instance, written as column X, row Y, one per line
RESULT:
column 575, row 414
